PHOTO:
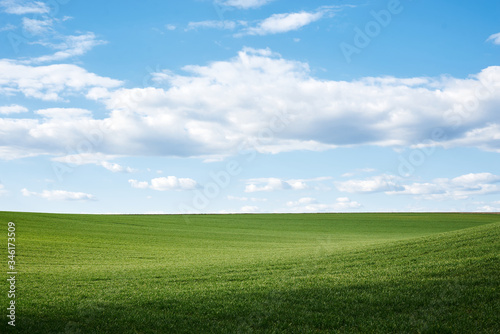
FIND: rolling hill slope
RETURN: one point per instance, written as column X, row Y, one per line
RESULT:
column 323, row 273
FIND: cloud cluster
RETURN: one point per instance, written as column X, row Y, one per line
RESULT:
column 275, row 24
column 380, row 183
column 49, row 83
column 281, row 23
column 255, row 101
column 309, row 204
column 20, row 7
column 70, row 46
column 275, row 184
column 246, row 199
column 59, row 195
column 12, row 109
column 165, row 184
column 458, row 188
column 243, row 4
column 214, row 24
column 36, row 26
column 98, row 159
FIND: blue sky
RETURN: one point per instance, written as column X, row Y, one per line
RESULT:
column 216, row 106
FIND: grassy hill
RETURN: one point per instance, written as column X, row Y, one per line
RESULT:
column 310, row 273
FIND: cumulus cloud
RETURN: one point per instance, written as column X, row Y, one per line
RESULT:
column 495, row 39
column 139, row 184
column 302, row 201
column 257, row 101
column 249, row 209
column 246, row 199
column 358, row 171
column 490, row 207
column 166, row 184
column 214, row 24
column 309, row 204
column 50, row 82
column 12, row 109
column 59, row 195
column 380, row 183
column 116, row 168
column 98, row 159
column 243, row 4
column 281, row 23
column 64, row 113
column 458, row 188
column 274, row 184
column 20, row 7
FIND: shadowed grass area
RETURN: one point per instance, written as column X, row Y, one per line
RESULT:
column 314, row 273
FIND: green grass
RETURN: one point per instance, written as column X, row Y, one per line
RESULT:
column 310, row 273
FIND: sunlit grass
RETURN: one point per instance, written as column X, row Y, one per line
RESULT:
column 311, row 273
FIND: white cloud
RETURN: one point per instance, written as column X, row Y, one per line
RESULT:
column 380, row 183
column 257, row 101
column 116, row 168
column 302, row 201
column 495, row 39
column 170, row 27
column 215, row 24
column 2, row 190
column 166, row 184
column 274, row 184
column 244, row 4
column 281, row 23
column 71, row 46
column 7, row 27
column 50, row 82
column 64, row 113
column 98, row 159
column 249, row 209
column 246, row 199
column 20, row 7
column 488, row 208
column 37, row 27
column 458, row 188
column 12, row 109
column 358, row 171
column 138, row 184
column 84, row 159
column 173, row 183
column 59, row 195
column 309, row 204
column 473, row 179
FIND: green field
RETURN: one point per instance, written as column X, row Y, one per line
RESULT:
column 304, row 273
